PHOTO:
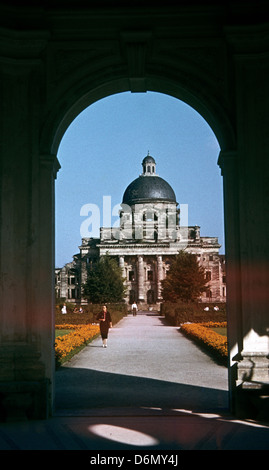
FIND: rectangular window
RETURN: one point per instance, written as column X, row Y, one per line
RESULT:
column 209, row 294
column 131, row 276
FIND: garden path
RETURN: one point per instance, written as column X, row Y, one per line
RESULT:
column 146, row 365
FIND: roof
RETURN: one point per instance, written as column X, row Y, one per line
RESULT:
column 147, row 189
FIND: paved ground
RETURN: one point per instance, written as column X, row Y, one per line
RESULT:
column 151, row 389
column 146, row 364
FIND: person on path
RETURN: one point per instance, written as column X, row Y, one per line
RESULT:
column 105, row 323
column 134, row 309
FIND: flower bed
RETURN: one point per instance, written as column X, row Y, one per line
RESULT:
column 212, row 341
column 67, row 345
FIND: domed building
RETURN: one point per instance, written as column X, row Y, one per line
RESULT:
column 152, row 230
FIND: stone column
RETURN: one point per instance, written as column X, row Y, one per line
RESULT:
column 45, row 320
column 121, row 265
column 159, row 277
column 229, row 167
column 246, row 200
column 83, row 273
column 140, row 271
column 27, row 360
column 252, row 107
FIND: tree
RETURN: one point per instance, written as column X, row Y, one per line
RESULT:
column 104, row 282
column 185, row 280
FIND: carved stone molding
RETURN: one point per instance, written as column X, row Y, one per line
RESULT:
column 136, row 49
column 50, row 162
column 22, row 44
column 67, row 58
column 227, row 161
column 254, row 367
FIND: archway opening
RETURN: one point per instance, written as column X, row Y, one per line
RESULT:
column 112, row 136
column 101, row 152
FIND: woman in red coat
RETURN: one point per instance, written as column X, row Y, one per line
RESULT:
column 104, row 318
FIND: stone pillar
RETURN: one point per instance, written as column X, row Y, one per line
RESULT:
column 121, row 265
column 253, row 105
column 27, row 360
column 140, row 271
column 45, row 320
column 64, row 282
column 159, row 277
column 83, row 279
column 229, row 167
column 246, row 175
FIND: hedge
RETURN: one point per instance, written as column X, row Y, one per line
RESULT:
column 181, row 312
column 118, row 311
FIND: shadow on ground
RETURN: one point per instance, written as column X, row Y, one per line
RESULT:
column 78, row 389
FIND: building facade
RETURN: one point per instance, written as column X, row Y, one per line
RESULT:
column 152, row 230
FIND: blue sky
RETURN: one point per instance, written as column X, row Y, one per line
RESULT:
column 102, row 150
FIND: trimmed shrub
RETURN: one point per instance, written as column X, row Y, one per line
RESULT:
column 117, row 311
column 181, row 312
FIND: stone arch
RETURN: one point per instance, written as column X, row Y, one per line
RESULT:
column 67, row 107
column 70, row 107
column 54, row 63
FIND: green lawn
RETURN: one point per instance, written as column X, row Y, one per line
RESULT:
column 62, row 332
column 220, row 330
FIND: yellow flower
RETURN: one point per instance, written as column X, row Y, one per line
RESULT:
column 211, row 339
column 67, row 343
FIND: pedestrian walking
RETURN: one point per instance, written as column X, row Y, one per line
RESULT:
column 134, row 309
column 105, row 322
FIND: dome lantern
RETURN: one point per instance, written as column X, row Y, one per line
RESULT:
column 149, row 166
column 148, row 187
